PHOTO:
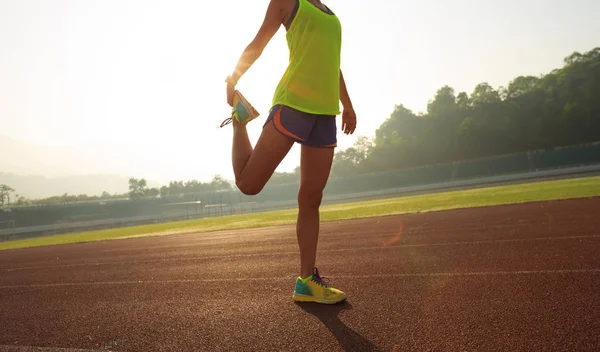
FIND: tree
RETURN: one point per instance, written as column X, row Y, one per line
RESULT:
column 5, row 193
column 218, row 183
column 164, row 192
column 350, row 161
column 23, row 201
column 137, row 188
column 282, row 178
column 152, row 192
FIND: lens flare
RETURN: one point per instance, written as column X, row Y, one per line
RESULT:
column 395, row 239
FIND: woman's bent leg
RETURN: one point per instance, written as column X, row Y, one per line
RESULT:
column 253, row 168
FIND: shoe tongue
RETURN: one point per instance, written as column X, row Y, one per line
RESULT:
column 316, row 273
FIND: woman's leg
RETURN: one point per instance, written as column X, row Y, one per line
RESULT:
column 315, row 165
column 253, row 168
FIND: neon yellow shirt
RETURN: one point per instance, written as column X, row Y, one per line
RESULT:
column 311, row 82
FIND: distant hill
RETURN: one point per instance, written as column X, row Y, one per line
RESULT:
column 29, row 159
column 35, row 187
column 40, row 172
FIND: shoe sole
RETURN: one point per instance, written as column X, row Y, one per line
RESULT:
column 312, row 299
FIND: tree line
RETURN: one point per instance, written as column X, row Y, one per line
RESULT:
column 556, row 109
column 138, row 189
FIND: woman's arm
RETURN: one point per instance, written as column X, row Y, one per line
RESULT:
column 348, row 115
column 344, row 96
column 270, row 26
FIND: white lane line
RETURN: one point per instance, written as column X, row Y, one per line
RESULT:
column 17, row 348
column 357, row 249
column 291, row 277
column 477, row 273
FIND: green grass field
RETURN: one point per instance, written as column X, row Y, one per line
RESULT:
column 531, row 192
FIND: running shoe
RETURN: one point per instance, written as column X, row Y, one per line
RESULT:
column 242, row 111
column 314, row 289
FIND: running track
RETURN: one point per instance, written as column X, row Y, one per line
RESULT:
column 508, row 278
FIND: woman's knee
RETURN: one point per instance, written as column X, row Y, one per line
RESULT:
column 249, row 188
column 310, row 198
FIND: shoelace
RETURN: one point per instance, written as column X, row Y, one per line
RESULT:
column 318, row 279
column 226, row 122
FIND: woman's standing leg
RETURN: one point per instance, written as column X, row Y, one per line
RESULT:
column 315, row 166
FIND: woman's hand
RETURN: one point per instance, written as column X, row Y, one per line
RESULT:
column 348, row 116
column 348, row 121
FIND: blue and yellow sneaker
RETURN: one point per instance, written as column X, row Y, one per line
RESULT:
column 314, row 289
column 242, row 111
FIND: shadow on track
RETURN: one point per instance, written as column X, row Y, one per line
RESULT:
column 349, row 339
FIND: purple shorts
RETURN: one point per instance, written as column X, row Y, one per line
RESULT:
column 309, row 129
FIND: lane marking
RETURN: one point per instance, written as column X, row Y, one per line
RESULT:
column 290, row 277
column 477, row 273
column 18, row 348
column 251, row 255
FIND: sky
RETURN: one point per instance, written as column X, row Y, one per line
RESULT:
column 143, row 81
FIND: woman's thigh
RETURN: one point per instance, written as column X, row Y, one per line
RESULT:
column 315, row 167
column 268, row 153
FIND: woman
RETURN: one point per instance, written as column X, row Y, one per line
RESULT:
column 305, row 105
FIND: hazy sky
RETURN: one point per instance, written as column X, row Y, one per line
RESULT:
column 144, row 79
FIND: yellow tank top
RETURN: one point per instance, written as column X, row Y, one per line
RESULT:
column 311, row 80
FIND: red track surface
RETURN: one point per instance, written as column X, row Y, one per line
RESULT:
column 510, row 278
